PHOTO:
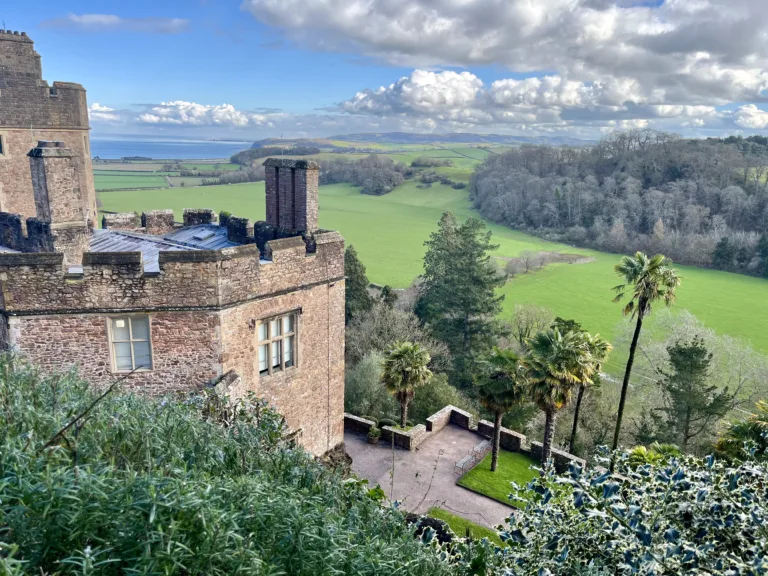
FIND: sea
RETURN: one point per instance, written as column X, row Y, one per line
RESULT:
column 114, row 149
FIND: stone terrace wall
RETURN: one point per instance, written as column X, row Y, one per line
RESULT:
column 39, row 283
column 516, row 442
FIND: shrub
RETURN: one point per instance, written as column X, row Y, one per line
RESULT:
column 363, row 391
column 374, row 432
column 190, row 486
column 687, row 516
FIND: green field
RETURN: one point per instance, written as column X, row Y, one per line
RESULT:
column 389, row 233
column 104, row 182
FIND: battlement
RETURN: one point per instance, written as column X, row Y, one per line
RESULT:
column 14, row 36
column 41, row 283
column 26, row 99
column 36, row 236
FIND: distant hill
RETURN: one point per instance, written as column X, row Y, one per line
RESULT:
column 426, row 139
column 456, row 137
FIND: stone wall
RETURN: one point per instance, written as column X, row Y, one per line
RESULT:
column 204, row 279
column 357, row 424
column 186, row 352
column 31, row 110
column 407, row 439
column 310, row 394
column 508, row 439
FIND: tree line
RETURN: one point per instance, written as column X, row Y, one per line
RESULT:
column 700, row 202
column 374, row 174
column 246, row 157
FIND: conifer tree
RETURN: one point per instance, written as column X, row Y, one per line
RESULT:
column 457, row 297
column 692, row 403
column 358, row 300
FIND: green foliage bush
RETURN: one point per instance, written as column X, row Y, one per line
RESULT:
column 363, row 391
column 685, row 516
column 177, row 486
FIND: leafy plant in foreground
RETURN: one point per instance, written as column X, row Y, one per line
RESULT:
column 685, row 516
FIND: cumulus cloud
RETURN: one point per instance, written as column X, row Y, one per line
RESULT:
column 750, row 116
column 112, row 23
column 602, row 63
column 184, row 113
column 99, row 113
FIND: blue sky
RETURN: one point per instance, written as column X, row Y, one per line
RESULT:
column 316, row 67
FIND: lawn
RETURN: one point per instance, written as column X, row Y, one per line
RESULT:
column 460, row 525
column 513, row 467
column 128, row 180
column 389, row 233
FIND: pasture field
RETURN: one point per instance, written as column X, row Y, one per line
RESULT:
column 389, row 233
column 103, row 182
column 215, row 166
column 187, row 180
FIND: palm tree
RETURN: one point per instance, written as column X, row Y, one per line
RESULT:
column 500, row 388
column 598, row 350
column 646, row 280
column 752, row 432
column 405, row 369
column 556, row 364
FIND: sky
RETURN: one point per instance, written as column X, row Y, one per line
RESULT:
column 253, row 69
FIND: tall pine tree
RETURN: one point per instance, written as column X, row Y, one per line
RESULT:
column 457, row 296
column 358, row 300
column 692, row 404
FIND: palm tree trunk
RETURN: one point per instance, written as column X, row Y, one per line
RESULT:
column 496, row 440
column 549, row 434
column 403, row 413
column 572, row 443
column 625, row 383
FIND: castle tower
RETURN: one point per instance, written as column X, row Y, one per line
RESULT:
column 32, row 110
column 292, row 195
column 59, row 199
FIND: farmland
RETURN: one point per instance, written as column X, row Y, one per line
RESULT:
column 389, row 232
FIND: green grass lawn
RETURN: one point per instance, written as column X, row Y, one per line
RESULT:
column 128, row 180
column 460, row 525
column 389, row 233
column 513, row 467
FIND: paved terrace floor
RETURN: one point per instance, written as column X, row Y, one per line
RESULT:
column 414, row 470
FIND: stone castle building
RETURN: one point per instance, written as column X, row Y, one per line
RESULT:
column 169, row 306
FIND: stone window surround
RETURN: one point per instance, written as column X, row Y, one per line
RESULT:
column 4, row 152
column 113, row 356
column 296, row 313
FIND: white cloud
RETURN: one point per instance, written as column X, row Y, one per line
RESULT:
column 111, row 23
column 184, row 113
column 750, row 116
column 582, row 62
column 99, row 113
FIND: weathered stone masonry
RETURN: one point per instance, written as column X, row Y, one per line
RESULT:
column 203, row 308
column 31, row 110
column 196, row 293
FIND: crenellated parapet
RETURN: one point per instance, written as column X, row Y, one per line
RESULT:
column 26, row 99
column 32, row 235
column 41, row 283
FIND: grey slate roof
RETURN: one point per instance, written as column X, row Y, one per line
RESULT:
column 202, row 237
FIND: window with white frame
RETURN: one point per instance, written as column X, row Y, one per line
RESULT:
column 277, row 344
column 131, row 344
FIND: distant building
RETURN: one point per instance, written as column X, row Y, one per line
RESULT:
column 176, row 306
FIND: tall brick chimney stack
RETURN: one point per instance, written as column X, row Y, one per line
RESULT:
column 292, row 194
column 59, row 199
